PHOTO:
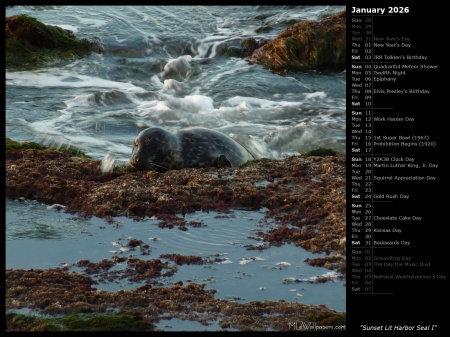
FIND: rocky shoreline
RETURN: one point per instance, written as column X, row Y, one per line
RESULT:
column 305, row 195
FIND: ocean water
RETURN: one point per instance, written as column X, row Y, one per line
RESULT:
column 168, row 66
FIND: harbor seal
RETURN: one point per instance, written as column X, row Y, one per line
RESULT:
column 157, row 149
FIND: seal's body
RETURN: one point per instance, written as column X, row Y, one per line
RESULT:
column 160, row 150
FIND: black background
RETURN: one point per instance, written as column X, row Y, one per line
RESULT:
column 411, row 302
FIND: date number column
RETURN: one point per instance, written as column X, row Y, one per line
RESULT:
column 361, row 152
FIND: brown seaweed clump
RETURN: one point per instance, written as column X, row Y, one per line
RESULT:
column 183, row 259
column 135, row 270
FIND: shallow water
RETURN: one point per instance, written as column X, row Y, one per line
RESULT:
column 51, row 239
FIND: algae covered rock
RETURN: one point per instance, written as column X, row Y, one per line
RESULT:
column 307, row 45
column 30, row 44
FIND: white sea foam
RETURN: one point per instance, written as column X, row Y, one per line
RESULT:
column 69, row 27
column 161, row 106
column 283, row 264
column 315, row 95
column 246, row 260
column 169, row 107
column 80, row 100
column 107, row 164
column 156, row 81
column 91, row 22
column 179, row 68
column 238, row 102
column 236, row 67
column 207, row 50
column 242, row 106
column 258, row 148
column 199, row 102
column 58, row 78
column 172, row 86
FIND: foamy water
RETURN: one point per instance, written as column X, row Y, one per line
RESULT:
column 167, row 67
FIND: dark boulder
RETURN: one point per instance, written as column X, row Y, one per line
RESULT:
column 250, row 44
column 31, row 44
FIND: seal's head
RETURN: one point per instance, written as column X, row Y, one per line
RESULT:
column 153, row 149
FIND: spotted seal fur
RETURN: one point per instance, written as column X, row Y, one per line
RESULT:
column 157, row 149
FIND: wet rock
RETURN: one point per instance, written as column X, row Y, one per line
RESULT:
column 307, row 45
column 249, row 45
column 30, row 44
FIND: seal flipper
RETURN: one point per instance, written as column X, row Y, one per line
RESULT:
column 222, row 161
